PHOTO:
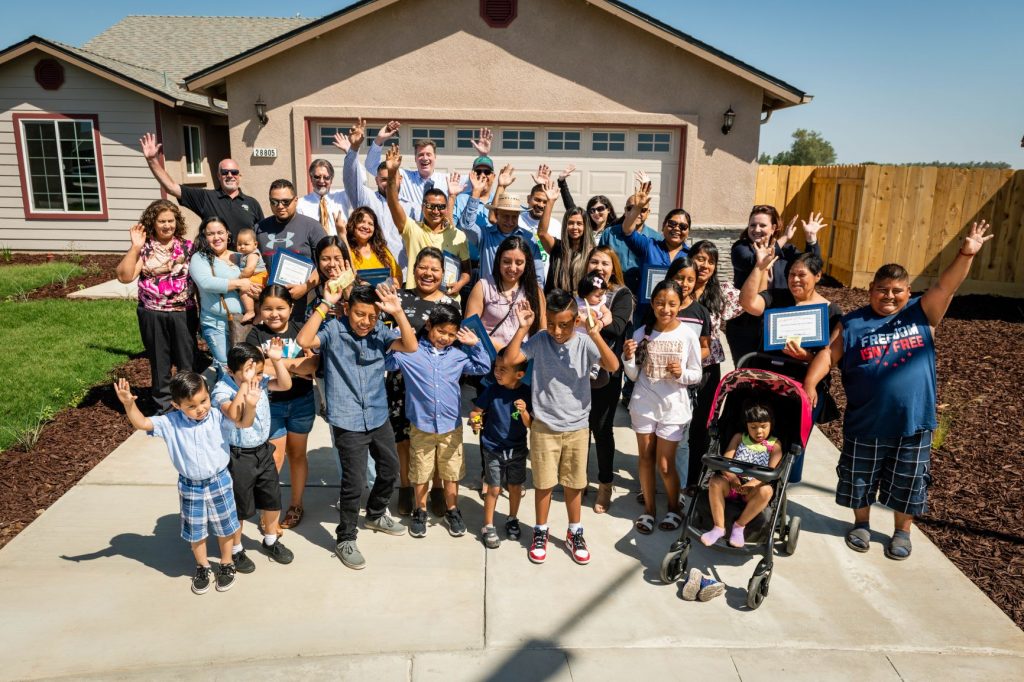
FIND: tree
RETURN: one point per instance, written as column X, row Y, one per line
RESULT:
column 809, row 148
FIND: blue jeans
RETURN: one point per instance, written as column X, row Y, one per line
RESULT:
column 215, row 332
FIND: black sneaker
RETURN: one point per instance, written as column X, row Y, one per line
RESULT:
column 225, row 577
column 418, row 527
column 512, row 529
column 201, row 580
column 243, row 564
column 277, row 552
column 453, row 519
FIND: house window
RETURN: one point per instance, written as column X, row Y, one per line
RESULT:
column 435, row 135
column 653, row 142
column 563, row 140
column 518, row 139
column 464, row 138
column 61, row 166
column 193, row 151
column 608, row 142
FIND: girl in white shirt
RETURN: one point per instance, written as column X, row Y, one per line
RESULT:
column 663, row 358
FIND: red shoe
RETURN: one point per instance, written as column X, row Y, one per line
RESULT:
column 539, row 546
column 577, row 547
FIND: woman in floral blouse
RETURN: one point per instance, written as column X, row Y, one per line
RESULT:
column 168, row 320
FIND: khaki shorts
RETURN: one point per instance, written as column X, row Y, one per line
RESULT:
column 443, row 448
column 558, row 457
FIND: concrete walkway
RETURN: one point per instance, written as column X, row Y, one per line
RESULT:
column 98, row 586
column 109, row 289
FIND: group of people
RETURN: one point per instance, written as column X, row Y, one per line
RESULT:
column 552, row 322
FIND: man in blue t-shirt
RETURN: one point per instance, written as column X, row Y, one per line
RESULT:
column 886, row 354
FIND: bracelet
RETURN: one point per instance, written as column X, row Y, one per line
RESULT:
column 968, row 255
column 322, row 313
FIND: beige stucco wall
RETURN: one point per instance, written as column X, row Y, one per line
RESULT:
column 560, row 61
column 214, row 143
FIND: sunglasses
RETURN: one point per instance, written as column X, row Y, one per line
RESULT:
column 281, row 202
column 679, row 225
column 230, row 171
column 484, row 171
column 597, row 209
column 435, row 207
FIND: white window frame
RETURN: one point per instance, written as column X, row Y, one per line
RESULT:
column 578, row 141
column 461, row 138
column 519, row 139
column 654, row 142
column 27, row 168
column 195, row 154
column 608, row 142
column 439, row 142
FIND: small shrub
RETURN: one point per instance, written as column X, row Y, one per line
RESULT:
column 26, row 439
column 5, row 254
column 73, row 254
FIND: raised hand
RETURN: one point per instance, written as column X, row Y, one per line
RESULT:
column 137, row 233
column 764, row 251
column 629, row 349
column 150, row 147
column 124, row 392
column 482, row 144
column 455, row 184
column 392, row 159
column 641, row 178
column 569, row 170
column 542, row 175
column 340, row 224
column 674, row 368
column 790, row 230
column 342, row 142
column 334, row 288
column 507, row 176
column 551, row 190
column 975, row 238
column 642, row 196
column 275, row 350
column 466, row 337
column 389, row 130
column 249, row 370
column 252, row 391
column 389, row 302
column 480, row 183
column 524, row 314
column 357, row 133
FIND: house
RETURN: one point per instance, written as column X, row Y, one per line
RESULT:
column 591, row 82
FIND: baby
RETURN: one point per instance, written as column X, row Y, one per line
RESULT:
column 249, row 260
column 591, row 293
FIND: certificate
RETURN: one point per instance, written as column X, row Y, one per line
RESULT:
column 808, row 324
column 650, row 278
column 374, row 276
column 452, row 270
column 289, row 268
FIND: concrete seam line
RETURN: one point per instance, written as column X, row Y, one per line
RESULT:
column 894, row 668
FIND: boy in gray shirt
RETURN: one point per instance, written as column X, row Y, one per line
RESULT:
column 560, row 435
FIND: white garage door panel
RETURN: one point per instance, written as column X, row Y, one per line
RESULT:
column 606, row 170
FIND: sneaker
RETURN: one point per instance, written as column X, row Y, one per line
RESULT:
column 418, row 527
column 385, row 524
column 692, row 585
column 201, row 580
column 490, row 538
column 512, row 529
column 577, row 546
column 405, row 501
column 539, row 547
column 243, row 564
column 709, row 589
column 350, row 555
column 453, row 519
column 277, row 552
column 437, row 505
column 225, row 577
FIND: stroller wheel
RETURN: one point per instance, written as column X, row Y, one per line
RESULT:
column 792, row 535
column 674, row 565
column 757, row 589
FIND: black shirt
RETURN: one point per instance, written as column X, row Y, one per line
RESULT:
column 237, row 214
column 260, row 336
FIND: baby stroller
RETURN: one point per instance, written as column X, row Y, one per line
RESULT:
column 792, row 426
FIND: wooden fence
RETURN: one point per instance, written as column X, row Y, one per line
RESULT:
column 912, row 215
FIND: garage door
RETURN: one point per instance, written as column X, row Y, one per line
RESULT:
column 605, row 157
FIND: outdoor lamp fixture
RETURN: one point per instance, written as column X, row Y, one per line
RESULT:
column 728, row 118
column 261, row 111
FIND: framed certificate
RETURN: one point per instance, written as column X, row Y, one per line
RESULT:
column 808, row 324
column 649, row 278
column 452, row 270
column 288, row 268
column 374, row 276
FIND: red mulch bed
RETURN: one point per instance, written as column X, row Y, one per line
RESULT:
column 99, row 268
column 976, row 500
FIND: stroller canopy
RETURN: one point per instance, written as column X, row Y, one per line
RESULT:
column 763, row 380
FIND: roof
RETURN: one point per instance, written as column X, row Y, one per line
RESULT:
column 778, row 93
column 127, row 54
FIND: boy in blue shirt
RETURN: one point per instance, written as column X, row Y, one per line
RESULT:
column 501, row 417
column 252, row 467
column 432, row 403
column 197, row 441
column 352, row 349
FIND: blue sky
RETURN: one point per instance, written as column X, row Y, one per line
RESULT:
column 894, row 81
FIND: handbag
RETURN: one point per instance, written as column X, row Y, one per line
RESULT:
column 237, row 331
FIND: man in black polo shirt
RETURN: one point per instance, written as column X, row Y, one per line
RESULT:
column 236, row 210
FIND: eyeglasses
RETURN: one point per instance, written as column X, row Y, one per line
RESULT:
column 597, row 209
column 281, row 202
column 434, row 207
column 678, row 225
column 229, row 171
column 323, row 178
column 483, row 171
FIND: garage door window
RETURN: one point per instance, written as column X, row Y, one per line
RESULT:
column 564, row 140
column 653, row 142
column 327, row 135
column 518, row 139
column 435, row 135
column 608, row 142
column 464, row 138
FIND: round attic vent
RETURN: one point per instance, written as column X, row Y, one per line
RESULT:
column 49, row 74
column 498, row 13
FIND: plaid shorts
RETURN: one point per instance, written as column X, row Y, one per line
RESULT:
column 895, row 470
column 210, row 500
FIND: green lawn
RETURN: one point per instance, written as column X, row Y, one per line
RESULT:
column 54, row 351
column 16, row 280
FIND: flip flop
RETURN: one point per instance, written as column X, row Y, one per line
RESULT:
column 858, row 539
column 672, row 521
column 898, row 548
column 292, row 517
column 644, row 524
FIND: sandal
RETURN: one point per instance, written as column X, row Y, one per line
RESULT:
column 292, row 517
column 644, row 524
column 899, row 547
column 858, row 539
column 672, row 521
